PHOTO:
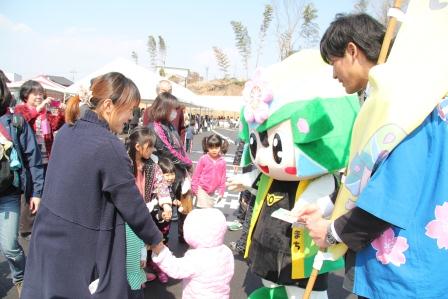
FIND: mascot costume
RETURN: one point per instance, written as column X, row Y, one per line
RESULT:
column 296, row 124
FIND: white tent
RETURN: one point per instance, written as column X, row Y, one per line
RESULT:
column 220, row 103
column 145, row 80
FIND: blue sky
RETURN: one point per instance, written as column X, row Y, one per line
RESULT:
column 56, row 37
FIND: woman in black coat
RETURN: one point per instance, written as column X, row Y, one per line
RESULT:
column 78, row 237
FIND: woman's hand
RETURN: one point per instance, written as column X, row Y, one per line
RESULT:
column 142, row 264
column 45, row 102
column 157, row 248
column 34, row 204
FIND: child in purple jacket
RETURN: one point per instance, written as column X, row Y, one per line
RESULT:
column 208, row 266
column 209, row 175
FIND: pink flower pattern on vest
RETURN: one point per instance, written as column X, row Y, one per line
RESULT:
column 438, row 228
column 390, row 249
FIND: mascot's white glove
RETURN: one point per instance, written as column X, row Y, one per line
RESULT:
column 186, row 185
column 150, row 205
column 243, row 182
column 318, row 193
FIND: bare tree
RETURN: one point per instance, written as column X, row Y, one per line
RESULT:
column 152, row 49
column 243, row 43
column 288, row 17
column 222, row 60
column 134, row 57
column 267, row 19
column 162, row 51
column 309, row 30
column 361, row 6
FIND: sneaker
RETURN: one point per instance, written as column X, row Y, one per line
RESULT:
column 235, row 248
column 235, row 225
column 163, row 278
column 26, row 236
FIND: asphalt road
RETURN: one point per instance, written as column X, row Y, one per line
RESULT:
column 243, row 282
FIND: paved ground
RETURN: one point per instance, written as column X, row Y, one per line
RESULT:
column 243, row 282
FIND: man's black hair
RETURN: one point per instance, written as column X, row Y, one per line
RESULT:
column 360, row 29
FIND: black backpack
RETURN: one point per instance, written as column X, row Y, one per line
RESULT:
column 6, row 173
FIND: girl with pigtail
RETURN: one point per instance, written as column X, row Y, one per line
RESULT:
column 154, row 189
column 210, row 173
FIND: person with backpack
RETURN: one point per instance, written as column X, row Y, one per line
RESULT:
column 21, row 171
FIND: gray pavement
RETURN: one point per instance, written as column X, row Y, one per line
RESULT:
column 243, row 282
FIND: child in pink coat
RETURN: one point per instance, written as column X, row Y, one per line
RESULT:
column 209, row 175
column 207, row 267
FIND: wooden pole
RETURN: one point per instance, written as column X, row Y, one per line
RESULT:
column 310, row 284
column 389, row 35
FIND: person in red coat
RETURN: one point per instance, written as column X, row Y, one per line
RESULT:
column 35, row 110
column 44, row 123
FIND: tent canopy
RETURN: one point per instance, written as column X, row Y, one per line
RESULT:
column 145, row 80
column 220, row 103
column 46, row 84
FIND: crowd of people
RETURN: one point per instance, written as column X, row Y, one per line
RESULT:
column 104, row 230
column 109, row 238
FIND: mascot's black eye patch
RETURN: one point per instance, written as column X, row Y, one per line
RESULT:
column 264, row 138
column 277, row 150
column 253, row 145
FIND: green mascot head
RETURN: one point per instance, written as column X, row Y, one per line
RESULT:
column 297, row 119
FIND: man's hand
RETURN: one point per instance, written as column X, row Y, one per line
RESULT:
column 318, row 231
column 34, row 204
column 317, row 226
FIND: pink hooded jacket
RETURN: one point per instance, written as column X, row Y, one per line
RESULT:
column 207, row 267
column 210, row 175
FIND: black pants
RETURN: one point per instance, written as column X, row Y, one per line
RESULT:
column 180, row 226
column 188, row 145
column 26, row 218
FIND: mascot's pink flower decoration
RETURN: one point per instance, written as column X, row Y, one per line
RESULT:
column 438, row 228
column 389, row 249
column 258, row 96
